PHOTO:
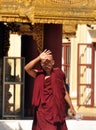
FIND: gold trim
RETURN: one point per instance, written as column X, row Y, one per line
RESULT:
column 38, row 36
column 66, row 12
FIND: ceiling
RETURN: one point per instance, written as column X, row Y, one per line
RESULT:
column 23, row 14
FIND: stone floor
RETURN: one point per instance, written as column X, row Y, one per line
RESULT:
column 27, row 124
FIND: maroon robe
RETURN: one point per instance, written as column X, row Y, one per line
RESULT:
column 48, row 99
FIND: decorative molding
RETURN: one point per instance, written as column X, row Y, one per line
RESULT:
column 35, row 30
column 69, row 30
column 48, row 11
column 38, row 36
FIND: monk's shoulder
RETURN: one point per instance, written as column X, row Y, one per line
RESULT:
column 60, row 73
column 58, row 70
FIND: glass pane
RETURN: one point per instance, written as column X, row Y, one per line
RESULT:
column 14, row 70
column 12, row 99
column 68, row 50
column 85, row 95
column 62, row 55
column 8, row 70
column 68, row 75
column 68, row 53
column 85, row 54
column 18, row 70
column 17, row 98
column 67, row 70
column 85, row 75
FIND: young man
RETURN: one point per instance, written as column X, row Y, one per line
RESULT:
column 49, row 94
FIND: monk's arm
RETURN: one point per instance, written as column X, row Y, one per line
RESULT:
column 68, row 100
column 29, row 67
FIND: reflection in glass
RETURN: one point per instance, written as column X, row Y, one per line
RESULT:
column 85, row 75
column 13, row 87
column 85, row 95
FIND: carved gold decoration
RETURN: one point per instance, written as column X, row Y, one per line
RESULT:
column 38, row 36
column 70, row 1
column 26, row 3
column 25, row 30
column 69, row 31
column 48, row 11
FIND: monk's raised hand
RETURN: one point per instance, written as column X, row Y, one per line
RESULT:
column 48, row 52
column 44, row 54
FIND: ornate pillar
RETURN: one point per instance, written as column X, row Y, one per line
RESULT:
column 37, row 34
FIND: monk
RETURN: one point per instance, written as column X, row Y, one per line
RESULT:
column 49, row 94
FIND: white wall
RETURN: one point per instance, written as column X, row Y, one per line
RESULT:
column 15, row 45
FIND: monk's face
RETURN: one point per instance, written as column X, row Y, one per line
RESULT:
column 47, row 64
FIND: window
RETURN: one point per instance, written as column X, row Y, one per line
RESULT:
column 66, row 55
column 85, row 75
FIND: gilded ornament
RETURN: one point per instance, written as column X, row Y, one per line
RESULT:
column 48, row 11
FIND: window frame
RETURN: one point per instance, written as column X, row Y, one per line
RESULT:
column 91, row 66
column 66, row 65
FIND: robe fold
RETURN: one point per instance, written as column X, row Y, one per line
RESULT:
column 48, row 99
